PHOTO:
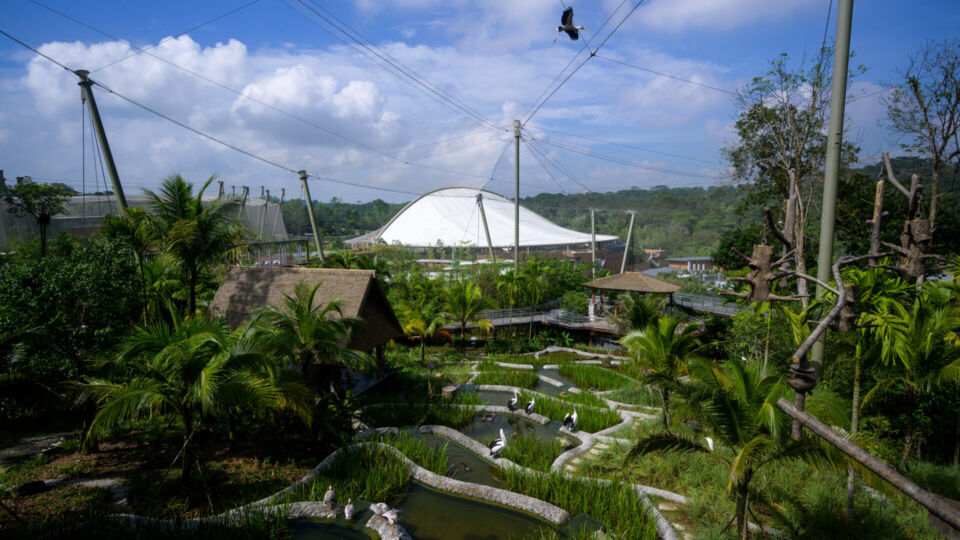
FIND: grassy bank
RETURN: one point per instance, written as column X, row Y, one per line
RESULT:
column 589, row 419
column 529, row 450
column 423, row 409
column 617, row 507
column 602, row 379
column 636, row 395
column 520, row 378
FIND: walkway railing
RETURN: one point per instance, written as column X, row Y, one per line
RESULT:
column 709, row 304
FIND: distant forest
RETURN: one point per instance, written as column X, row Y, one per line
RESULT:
column 688, row 221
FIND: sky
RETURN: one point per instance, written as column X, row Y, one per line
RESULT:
column 425, row 96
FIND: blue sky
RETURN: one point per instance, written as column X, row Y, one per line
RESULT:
column 335, row 113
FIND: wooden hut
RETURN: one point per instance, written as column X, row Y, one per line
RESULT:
column 632, row 282
column 247, row 287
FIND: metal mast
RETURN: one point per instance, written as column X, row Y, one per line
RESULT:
column 86, row 95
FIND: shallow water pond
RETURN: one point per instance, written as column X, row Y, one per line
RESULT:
column 431, row 515
column 306, row 529
column 464, row 464
column 512, row 426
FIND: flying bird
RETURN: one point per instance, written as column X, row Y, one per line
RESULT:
column 530, row 404
column 391, row 515
column 566, row 25
column 514, row 401
column 498, row 445
column 348, row 509
column 328, row 496
column 570, row 420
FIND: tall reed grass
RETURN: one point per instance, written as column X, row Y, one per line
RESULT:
column 509, row 377
column 589, row 419
column 529, row 450
column 601, row 378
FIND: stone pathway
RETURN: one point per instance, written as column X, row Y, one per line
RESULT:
column 29, row 447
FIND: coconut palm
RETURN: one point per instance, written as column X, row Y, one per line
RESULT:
column 422, row 322
column 925, row 356
column 193, row 233
column 192, row 368
column 312, row 334
column 743, row 428
column 512, row 283
column 637, row 311
column 660, row 353
column 536, row 276
column 462, row 301
column 132, row 228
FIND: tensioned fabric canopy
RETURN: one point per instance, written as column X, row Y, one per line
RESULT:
column 452, row 217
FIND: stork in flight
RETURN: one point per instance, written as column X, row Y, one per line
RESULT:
column 566, row 25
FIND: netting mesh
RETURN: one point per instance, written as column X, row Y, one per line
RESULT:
column 82, row 216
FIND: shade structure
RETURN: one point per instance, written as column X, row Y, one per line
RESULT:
column 633, row 282
column 451, row 217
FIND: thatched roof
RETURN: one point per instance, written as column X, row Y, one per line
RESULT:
column 246, row 288
column 634, row 282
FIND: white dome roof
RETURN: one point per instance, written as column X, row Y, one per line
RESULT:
column 451, row 216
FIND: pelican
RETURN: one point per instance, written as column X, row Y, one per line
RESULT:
column 570, row 420
column 391, row 515
column 498, row 445
column 566, row 25
column 530, row 404
column 379, row 508
column 348, row 509
column 328, row 496
column 514, row 401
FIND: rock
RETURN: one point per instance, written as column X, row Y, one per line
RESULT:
column 666, row 507
column 449, row 391
column 32, row 488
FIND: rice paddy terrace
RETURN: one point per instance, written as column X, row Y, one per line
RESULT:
column 424, row 448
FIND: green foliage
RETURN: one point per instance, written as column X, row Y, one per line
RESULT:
column 416, row 449
column 39, row 201
column 521, row 378
column 529, row 450
column 741, row 239
column 594, row 377
column 589, row 418
column 575, row 302
column 617, row 507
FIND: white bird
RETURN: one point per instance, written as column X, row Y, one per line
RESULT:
column 391, row 515
column 710, row 443
column 498, row 445
column 379, row 508
column 530, row 404
column 570, row 420
column 348, row 509
column 328, row 496
column 566, row 25
column 514, row 401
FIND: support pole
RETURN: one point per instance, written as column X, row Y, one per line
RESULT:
column 516, row 197
column 276, row 218
column 220, row 189
column 626, row 248
column 313, row 220
column 86, row 94
column 593, row 243
column 263, row 212
column 838, row 94
column 486, row 230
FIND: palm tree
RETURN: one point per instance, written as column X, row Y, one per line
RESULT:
column 132, row 228
column 311, row 334
column 925, row 356
column 736, row 405
column 463, row 300
column 193, row 233
column 880, row 322
column 192, row 367
column 423, row 322
column 637, row 311
column 512, row 283
column 536, row 275
column 661, row 352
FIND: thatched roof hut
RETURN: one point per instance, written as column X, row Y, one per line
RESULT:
column 247, row 287
column 633, row 282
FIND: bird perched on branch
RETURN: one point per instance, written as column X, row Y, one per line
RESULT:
column 566, row 25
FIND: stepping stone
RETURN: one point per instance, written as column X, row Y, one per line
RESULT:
column 677, row 526
column 602, row 446
column 595, row 451
column 575, row 461
column 667, row 507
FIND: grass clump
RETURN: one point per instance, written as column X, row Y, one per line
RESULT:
column 616, row 506
column 529, row 450
column 589, row 419
column 367, row 473
column 587, row 376
column 583, row 398
column 254, row 526
column 508, row 377
column 416, row 449
column 420, row 409
column 637, row 395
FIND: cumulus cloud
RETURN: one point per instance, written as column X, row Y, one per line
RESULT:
column 677, row 15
